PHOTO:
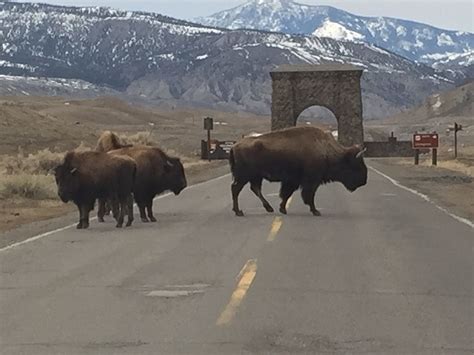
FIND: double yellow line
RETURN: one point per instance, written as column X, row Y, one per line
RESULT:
column 246, row 277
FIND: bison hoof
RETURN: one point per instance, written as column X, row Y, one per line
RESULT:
column 79, row 225
column 283, row 210
column 316, row 213
column 129, row 223
column 239, row 213
column 101, row 219
column 152, row 219
column 144, row 220
column 269, row 209
column 119, row 225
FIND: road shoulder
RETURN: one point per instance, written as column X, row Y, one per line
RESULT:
column 448, row 189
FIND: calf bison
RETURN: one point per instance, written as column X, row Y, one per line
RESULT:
column 300, row 157
column 85, row 176
column 156, row 172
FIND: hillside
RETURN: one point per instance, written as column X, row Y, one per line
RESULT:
column 454, row 103
column 34, row 123
column 165, row 60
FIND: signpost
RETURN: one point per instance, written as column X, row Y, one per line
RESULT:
column 426, row 141
column 208, row 126
column 456, row 128
column 214, row 149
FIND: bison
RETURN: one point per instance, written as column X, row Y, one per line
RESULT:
column 156, row 172
column 109, row 141
column 85, row 176
column 300, row 157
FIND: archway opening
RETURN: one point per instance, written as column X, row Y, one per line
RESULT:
column 321, row 117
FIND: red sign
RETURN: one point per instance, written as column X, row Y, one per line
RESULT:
column 425, row 140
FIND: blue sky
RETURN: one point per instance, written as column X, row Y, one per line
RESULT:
column 449, row 14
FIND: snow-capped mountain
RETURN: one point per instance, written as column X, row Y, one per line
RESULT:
column 159, row 58
column 412, row 40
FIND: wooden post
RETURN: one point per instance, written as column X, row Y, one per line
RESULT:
column 455, row 140
column 417, row 156
column 435, row 156
column 208, row 126
column 209, row 144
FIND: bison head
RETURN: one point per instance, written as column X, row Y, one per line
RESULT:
column 353, row 171
column 67, row 180
column 175, row 175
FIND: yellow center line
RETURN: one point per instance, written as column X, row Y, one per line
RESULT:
column 247, row 273
column 277, row 223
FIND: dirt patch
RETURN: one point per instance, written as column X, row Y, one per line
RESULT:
column 448, row 188
column 15, row 212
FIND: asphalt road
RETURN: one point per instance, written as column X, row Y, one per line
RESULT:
column 382, row 271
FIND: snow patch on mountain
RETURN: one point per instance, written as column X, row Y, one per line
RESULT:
column 336, row 31
column 445, row 40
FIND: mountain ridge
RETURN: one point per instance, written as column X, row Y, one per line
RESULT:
column 411, row 39
column 167, row 60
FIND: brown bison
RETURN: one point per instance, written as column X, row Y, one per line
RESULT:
column 85, row 176
column 301, row 157
column 156, row 172
column 109, row 141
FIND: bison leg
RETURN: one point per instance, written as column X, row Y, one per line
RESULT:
column 123, row 206
column 286, row 190
column 129, row 211
column 79, row 225
column 101, row 210
column 141, row 208
column 256, row 187
column 107, row 208
column 149, row 209
column 84, row 210
column 307, row 193
column 115, row 207
column 236, row 188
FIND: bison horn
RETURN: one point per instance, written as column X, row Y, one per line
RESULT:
column 73, row 170
column 170, row 164
column 361, row 153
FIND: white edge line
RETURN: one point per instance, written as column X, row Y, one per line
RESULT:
column 424, row 197
column 46, row 234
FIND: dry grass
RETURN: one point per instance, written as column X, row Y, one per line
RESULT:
column 39, row 163
column 34, row 187
column 30, row 176
column 455, row 165
column 139, row 138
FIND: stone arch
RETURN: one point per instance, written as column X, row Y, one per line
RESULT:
column 335, row 87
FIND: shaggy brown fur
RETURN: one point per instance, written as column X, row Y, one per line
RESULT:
column 303, row 157
column 85, row 176
column 109, row 141
column 156, row 173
